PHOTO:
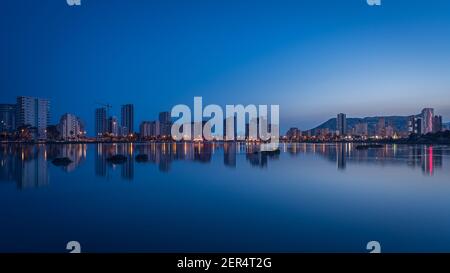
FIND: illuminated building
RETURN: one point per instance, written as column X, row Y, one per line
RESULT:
column 113, row 126
column 34, row 112
column 427, row 120
column 70, row 127
column 414, row 125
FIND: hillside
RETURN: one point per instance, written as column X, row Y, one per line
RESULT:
column 400, row 123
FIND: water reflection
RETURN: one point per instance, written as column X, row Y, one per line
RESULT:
column 28, row 165
column 428, row 158
column 25, row 165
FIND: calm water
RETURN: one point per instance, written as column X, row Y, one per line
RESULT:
column 224, row 197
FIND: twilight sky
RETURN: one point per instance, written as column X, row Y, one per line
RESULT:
column 314, row 58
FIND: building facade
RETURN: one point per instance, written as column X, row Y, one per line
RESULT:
column 362, row 129
column 165, row 124
column 341, row 124
column 113, row 126
column 101, row 127
column 71, row 127
column 149, row 129
column 127, row 119
column 437, row 124
column 427, row 120
column 380, row 129
column 7, row 117
column 33, row 112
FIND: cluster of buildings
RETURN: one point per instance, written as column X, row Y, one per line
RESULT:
column 109, row 126
column 156, row 129
column 424, row 123
column 29, row 118
column 383, row 129
column 421, row 124
column 27, row 114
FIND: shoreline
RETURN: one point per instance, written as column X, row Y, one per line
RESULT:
column 383, row 142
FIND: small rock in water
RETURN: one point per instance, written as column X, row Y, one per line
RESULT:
column 61, row 161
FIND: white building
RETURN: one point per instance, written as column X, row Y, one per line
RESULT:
column 149, row 129
column 70, row 127
column 427, row 120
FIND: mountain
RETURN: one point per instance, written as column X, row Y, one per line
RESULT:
column 400, row 123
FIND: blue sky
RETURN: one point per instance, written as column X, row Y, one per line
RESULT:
column 314, row 58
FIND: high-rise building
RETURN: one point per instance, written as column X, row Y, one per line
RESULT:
column 33, row 112
column 427, row 120
column 412, row 128
column 381, row 127
column 437, row 124
column 165, row 124
column 149, row 129
column 101, row 127
column 127, row 119
column 144, row 129
column 341, row 124
column 7, row 117
column 156, row 128
column 418, row 125
column 70, row 127
column 164, row 117
column 113, row 126
column 362, row 129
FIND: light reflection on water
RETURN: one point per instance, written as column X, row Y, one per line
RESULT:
column 224, row 197
column 27, row 165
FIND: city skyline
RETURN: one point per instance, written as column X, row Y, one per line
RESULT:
column 355, row 60
column 106, row 122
